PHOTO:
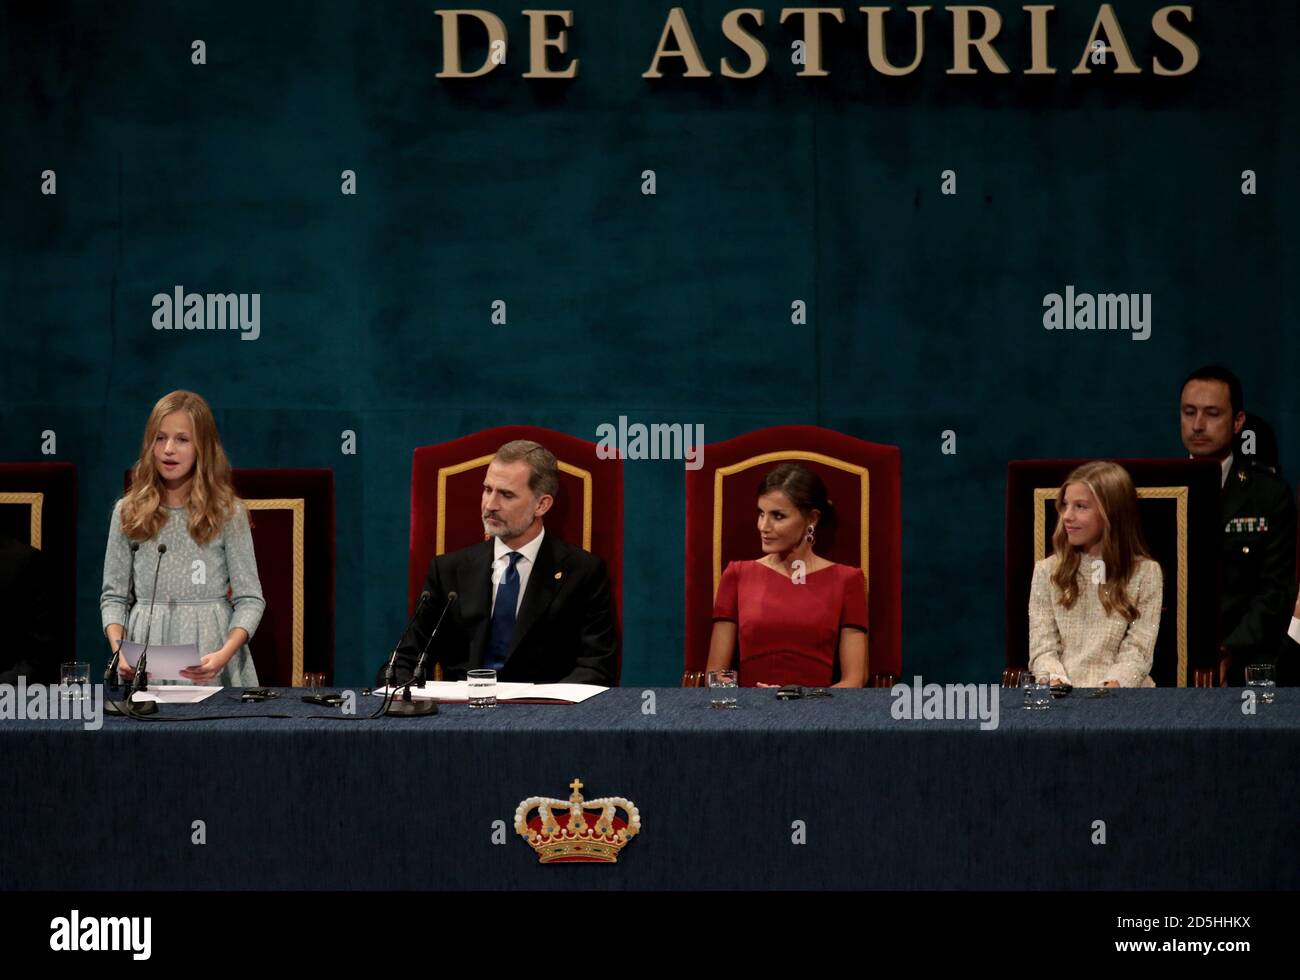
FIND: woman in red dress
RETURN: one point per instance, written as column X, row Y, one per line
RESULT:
column 796, row 613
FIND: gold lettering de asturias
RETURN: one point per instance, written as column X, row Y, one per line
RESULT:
column 893, row 38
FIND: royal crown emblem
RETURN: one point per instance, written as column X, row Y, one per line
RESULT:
column 573, row 833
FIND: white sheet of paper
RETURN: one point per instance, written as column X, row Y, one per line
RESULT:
column 459, row 691
column 176, row 693
column 165, row 663
column 577, row 693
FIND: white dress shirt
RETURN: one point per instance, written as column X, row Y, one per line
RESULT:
column 1227, row 468
column 524, row 566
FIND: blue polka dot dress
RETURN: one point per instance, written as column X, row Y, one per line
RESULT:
column 204, row 591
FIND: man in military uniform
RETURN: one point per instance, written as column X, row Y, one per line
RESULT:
column 1257, row 564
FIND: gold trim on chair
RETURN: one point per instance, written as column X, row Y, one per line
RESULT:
column 1179, row 495
column 440, row 531
column 745, row 464
column 298, row 506
column 864, row 516
column 36, row 501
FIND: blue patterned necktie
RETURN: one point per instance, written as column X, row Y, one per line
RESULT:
column 503, row 616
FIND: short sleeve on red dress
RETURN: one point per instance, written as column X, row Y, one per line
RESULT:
column 726, row 605
column 853, row 608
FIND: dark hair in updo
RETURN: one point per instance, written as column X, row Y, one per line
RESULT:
column 804, row 488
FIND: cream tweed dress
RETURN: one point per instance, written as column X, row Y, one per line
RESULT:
column 1082, row 644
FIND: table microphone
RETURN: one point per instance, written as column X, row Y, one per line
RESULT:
column 417, row 678
column 110, row 672
column 390, row 671
column 142, row 665
column 408, row 707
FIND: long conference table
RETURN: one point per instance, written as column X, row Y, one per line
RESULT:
column 1185, row 790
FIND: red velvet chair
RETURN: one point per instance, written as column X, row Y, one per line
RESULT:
column 292, row 517
column 1178, row 501
column 447, row 490
column 38, row 506
column 862, row 480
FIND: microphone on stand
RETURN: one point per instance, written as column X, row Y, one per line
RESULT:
column 110, row 672
column 417, row 678
column 408, row 707
column 390, row 671
column 142, row 665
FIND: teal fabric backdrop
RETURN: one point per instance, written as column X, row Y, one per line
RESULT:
column 924, row 310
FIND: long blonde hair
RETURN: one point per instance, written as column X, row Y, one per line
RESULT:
column 212, row 494
column 1122, row 544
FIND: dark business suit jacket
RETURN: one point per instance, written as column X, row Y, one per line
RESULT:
column 564, row 630
column 1257, row 589
column 25, row 606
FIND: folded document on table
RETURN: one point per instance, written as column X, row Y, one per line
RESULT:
column 459, row 691
column 176, row 693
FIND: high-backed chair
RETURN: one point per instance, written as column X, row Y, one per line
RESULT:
column 862, row 480
column 1262, row 445
column 447, row 489
column 38, row 507
column 292, row 516
column 1178, row 504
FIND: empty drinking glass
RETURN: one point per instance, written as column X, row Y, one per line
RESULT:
column 1038, row 690
column 723, row 679
column 482, row 688
column 1261, row 679
column 74, row 678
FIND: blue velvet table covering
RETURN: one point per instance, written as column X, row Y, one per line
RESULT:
column 1193, row 794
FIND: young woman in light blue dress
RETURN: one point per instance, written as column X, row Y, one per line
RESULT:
column 208, row 592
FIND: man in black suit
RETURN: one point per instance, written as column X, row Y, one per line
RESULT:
column 529, row 605
column 25, row 607
column 1257, row 563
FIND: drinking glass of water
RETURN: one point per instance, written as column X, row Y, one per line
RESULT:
column 1262, row 680
column 723, row 679
column 1038, row 690
column 482, row 688
column 74, row 678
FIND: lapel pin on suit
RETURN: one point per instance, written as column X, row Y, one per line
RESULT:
column 559, row 575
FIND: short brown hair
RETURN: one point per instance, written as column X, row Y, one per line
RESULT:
column 543, row 471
